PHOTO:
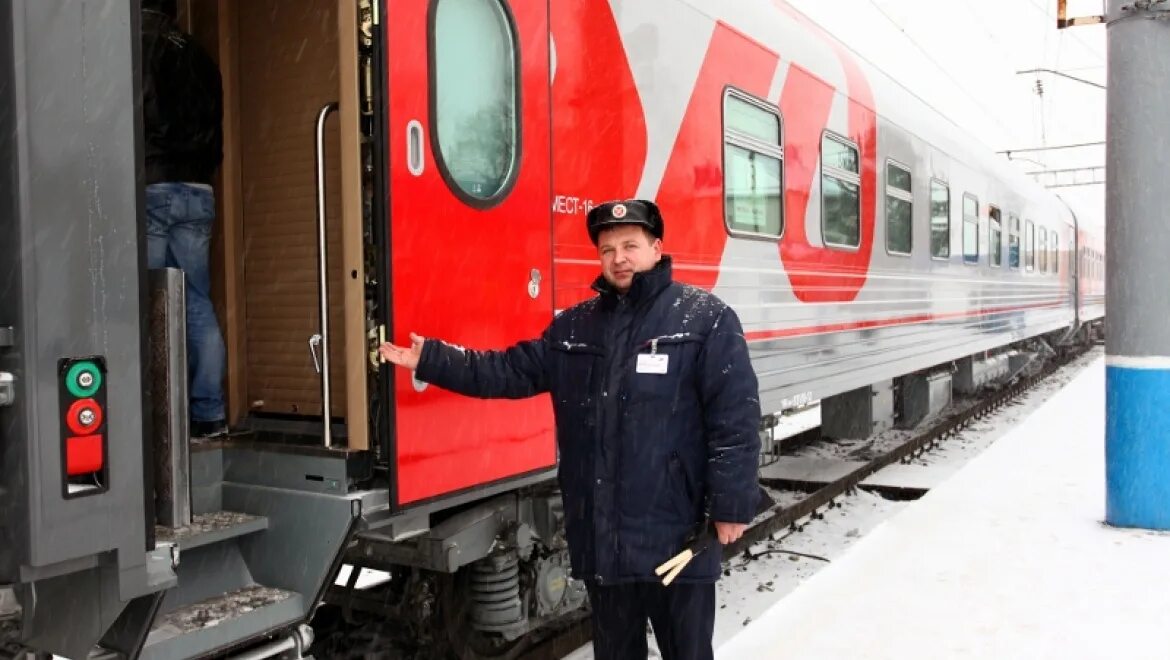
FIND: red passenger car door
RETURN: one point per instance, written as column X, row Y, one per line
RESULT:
column 468, row 160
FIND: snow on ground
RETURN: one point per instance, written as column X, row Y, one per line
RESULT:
column 749, row 588
column 754, row 585
column 1007, row 559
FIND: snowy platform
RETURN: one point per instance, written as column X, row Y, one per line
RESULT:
column 1008, row 558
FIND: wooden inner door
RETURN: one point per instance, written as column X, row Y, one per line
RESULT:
column 288, row 69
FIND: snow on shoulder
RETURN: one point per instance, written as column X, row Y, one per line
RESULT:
column 1007, row 559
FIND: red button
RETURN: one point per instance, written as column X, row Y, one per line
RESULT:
column 83, row 455
column 92, row 413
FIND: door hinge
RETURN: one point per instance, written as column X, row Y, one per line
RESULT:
column 367, row 19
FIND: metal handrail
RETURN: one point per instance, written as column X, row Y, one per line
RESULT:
column 323, row 280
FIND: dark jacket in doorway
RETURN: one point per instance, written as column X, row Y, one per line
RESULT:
column 182, row 105
column 644, row 457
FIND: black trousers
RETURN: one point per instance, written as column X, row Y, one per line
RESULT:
column 682, row 615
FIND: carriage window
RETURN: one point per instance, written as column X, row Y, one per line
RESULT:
column 1042, row 250
column 840, row 192
column 753, row 156
column 995, row 238
column 1054, row 249
column 970, row 229
column 899, row 209
column 940, row 220
column 1029, row 245
column 1013, row 241
column 475, row 97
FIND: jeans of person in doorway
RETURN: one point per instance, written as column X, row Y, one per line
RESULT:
column 179, row 217
column 682, row 616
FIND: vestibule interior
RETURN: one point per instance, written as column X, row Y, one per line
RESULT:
column 282, row 61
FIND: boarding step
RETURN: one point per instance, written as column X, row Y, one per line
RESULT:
column 219, row 622
column 208, row 528
column 810, row 472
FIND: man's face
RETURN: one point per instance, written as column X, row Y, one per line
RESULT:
column 625, row 250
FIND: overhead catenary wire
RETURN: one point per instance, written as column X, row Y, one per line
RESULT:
column 933, row 60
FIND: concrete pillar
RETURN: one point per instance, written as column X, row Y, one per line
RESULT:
column 1137, row 435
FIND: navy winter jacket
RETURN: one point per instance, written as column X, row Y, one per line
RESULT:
column 644, row 457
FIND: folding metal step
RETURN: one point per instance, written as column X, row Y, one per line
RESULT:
column 215, row 623
column 208, row 528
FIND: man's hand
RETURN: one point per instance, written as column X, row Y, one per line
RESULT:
column 729, row 532
column 403, row 357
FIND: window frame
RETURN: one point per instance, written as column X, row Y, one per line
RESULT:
column 846, row 176
column 904, row 195
column 946, row 187
column 1014, row 232
column 750, row 143
column 513, row 175
column 974, row 198
column 994, row 223
column 1042, row 250
column 1054, row 252
column 1029, row 246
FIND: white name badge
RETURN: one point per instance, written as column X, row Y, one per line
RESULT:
column 653, row 363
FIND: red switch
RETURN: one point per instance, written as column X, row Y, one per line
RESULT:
column 83, row 455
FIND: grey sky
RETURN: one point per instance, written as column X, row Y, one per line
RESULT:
column 962, row 56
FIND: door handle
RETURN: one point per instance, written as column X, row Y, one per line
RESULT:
column 314, row 342
column 415, row 161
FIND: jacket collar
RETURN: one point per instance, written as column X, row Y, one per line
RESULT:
column 646, row 285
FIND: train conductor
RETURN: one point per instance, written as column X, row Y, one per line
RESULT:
column 657, row 415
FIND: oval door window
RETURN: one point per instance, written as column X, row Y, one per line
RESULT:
column 474, row 98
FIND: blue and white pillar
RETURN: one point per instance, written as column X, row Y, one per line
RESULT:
column 1137, row 381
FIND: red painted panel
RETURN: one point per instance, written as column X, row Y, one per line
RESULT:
column 462, row 274
column 805, row 102
column 831, row 275
column 599, row 135
column 691, row 194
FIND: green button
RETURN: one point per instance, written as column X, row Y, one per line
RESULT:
column 83, row 379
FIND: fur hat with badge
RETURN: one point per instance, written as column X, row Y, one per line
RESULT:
column 625, row 212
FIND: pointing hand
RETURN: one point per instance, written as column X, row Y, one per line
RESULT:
column 403, row 357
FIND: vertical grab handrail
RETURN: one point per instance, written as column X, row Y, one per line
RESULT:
column 323, row 278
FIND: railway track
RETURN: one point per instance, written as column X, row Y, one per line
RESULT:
column 782, row 517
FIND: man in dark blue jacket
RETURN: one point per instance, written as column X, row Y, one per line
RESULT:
column 657, row 417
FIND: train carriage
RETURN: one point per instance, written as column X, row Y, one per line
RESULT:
column 396, row 166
